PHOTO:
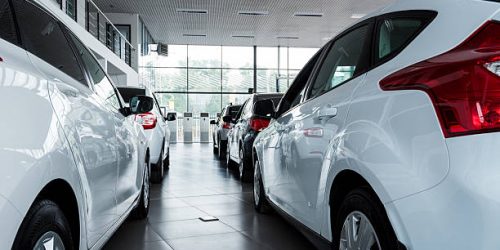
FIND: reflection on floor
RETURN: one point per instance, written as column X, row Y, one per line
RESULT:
column 197, row 185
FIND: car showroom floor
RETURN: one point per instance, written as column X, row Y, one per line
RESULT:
column 197, row 185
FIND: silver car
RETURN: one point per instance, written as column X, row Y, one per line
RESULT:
column 222, row 128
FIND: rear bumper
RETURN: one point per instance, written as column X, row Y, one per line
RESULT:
column 463, row 211
column 11, row 220
column 155, row 139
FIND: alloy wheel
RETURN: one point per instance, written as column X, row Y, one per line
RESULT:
column 256, row 183
column 146, row 186
column 358, row 233
column 241, row 166
column 49, row 241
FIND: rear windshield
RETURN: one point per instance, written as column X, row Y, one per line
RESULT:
column 128, row 93
column 233, row 110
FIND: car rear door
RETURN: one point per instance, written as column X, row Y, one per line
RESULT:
column 314, row 127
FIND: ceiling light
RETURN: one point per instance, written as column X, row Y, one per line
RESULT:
column 357, row 16
column 308, row 14
column 194, row 35
column 253, row 13
column 192, row 11
column 288, row 37
column 242, row 36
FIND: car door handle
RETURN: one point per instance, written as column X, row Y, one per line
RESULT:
column 327, row 112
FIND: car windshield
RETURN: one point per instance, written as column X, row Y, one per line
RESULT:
column 128, row 93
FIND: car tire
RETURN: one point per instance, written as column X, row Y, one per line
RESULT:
column 166, row 162
column 362, row 205
column 44, row 222
column 260, row 202
column 142, row 210
column 157, row 171
column 222, row 149
column 216, row 149
column 229, row 163
column 246, row 173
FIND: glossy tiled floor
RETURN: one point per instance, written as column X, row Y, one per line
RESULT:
column 197, row 185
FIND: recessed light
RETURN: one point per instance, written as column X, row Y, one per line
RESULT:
column 194, row 35
column 288, row 37
column 357, row 16
column 253, row 13
column 192, row 11
column 308, row 14
column 242, row 36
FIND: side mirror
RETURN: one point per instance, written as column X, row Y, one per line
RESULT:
column 265, row 108
column 213, row 122
column 171, row 117
column 228, row 119
column 141, row 104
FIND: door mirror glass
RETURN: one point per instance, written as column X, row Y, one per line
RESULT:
column 264, row 108
column 141, row 104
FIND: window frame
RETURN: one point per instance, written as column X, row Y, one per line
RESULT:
column 64, row 29
column 68, row 33
column 315, row 60
column 426, row 16
column 367, row 46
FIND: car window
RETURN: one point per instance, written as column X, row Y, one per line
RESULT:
column 42, row 36
column 294, row 95
column 8, row 28
column 247, row 110
column 240, row 112
column 344, row 60
column 102, row 85
column 233, row 110
column 128, row 93
column 394, row 33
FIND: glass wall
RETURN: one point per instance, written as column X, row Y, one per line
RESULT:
column 206, row 78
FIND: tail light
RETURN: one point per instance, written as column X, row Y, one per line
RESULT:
column 259, row 124
column 226, row 125
column 464, row 83
column 147, row 120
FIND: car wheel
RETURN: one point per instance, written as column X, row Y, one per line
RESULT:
column 259, row 197
column 142, row 209
column 216, row 150
column 229, row 163
column 243, row 167
column 157, row 172
column 166, row 162
column 222, row 149
column 363, row 224
column 45, row 225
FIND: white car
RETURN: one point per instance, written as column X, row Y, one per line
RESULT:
column 156, row 128
column 221, row 129
column 74, row 163
column 389, row 137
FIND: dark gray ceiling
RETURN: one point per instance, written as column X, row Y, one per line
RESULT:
column 222, row 21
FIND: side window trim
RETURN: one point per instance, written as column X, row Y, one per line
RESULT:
column 371, row 26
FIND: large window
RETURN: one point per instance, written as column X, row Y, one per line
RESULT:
column 196, row 79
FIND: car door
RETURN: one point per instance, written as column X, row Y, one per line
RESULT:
column 315, row 126
column 86, row 121
column 273, row 162
column 127, row 149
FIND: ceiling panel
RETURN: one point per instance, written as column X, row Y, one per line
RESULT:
column 222, row 22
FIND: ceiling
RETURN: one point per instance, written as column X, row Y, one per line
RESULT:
column 222, row 21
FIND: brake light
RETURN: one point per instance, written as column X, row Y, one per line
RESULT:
column 259, row 124
column 226, row 125
column 147, row 120
column 464, row 83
